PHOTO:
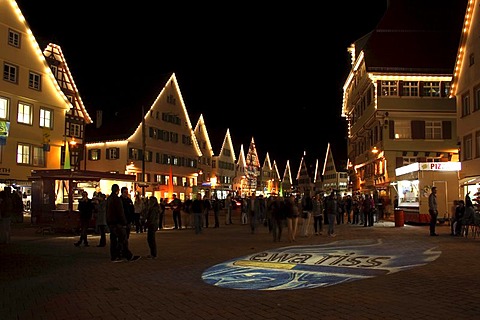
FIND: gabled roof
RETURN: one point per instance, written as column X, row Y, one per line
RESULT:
column 120, row 124
column 287, row 175
column 65, row 81
column 241, row 157
column 266, row 164
column 466, row 32
column 227, row 142
column 428, row 34
column 275, row 170
column 201, row 132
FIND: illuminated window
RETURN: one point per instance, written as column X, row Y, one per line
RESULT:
column 113, row 153
column 34, row 80
column 403, row 129
column 23, row 153
column 4, row 108
column 410, row 89
column 14, row 38
column 94, row 154
column 46, row 118
column 433, row 130
column 24, row 114
column 431, row 89
column 389, row 88
column 38, row 157
column 10, row 72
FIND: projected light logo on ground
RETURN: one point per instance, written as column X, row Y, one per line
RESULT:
column 312, row 266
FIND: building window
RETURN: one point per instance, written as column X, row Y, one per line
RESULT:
column 46, row 118
column 403, row 129
column 476, row 104
column 113, row 153
column 24, row 114
column 75, row 130
column 433, row 130
column 34, row 80
column 14, row 38
column 465, row 105
column 389, row 88
column 410, row 89
column 431, row 89
column 94, row 154
column 467, row 147
column 477, row 144
column 446, row 88
column 472, row 59
column 38, row 157
column 10, row 72
column 23, row 154
column 4, row 108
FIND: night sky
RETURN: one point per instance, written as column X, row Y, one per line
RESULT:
column 274, row 73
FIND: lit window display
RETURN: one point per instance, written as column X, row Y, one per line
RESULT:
column 408, row 193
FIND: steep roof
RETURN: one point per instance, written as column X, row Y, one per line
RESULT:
column 428, row 33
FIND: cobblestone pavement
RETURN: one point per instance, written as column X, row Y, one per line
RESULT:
column 44, row 276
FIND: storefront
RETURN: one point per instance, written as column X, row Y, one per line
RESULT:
column 55, row 194
column 414, row 184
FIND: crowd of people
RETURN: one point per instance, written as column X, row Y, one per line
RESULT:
column 305, row 215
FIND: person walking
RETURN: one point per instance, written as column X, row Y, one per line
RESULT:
column 317, row 213
column 433, row 210
column 176, row 205
column 292, row 214
column 151, row 222
column 101, row 217
column 278, row 213
column 197, row 209
column 85, row 208
column 367, row 206
column 331, row 210
column 254, row 211
column 244, row 210
column 128, row 208
column 117, row 223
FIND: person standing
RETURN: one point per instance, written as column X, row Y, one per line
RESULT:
column 128, row 208
column 216, row 212
column 117, row 223
column 317, row 214
column 307, row 208
column 206, row 209
column 367, row 206
column 197, row 209
column 243, row 209
column 331, row 210
column 176, row 205
column 278, row 217
column 151, row 221
column 228, row 206
column 139, row 206
column 85, row 208
column 433, row 210
column 254, row 211
column 6, row 208
column 101, row 218
column 161, row 219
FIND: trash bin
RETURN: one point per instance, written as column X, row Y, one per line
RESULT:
column 399, row 218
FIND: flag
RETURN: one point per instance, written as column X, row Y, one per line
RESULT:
column 66, row 163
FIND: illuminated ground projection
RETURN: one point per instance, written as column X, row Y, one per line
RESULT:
column 312, row 266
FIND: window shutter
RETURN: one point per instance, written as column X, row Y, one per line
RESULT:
column 399, row 162
column 446, row 130
column 418, row 129
column 391, row 129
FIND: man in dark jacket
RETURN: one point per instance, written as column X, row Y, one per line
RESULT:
column 128, row 209
column 85, row 208
column 117, row 223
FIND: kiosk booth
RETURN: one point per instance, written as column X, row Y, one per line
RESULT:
column 55, row 194
column 414, row 184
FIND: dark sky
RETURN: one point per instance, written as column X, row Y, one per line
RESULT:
column 274, row 73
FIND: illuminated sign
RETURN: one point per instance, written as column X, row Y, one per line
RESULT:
column 313, row 266
column 429, row 166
